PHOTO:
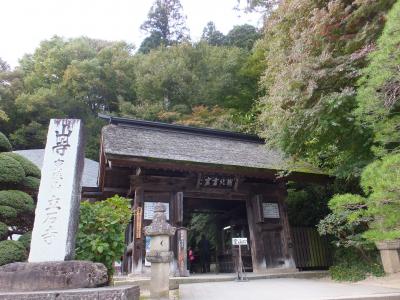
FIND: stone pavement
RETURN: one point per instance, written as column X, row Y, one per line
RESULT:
column 284, row 289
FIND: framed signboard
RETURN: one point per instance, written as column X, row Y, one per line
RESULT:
column 270, row 210
column 149, row 210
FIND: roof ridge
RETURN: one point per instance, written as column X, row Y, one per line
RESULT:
column 182, row 128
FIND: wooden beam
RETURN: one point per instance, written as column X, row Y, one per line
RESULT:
column 192, row 167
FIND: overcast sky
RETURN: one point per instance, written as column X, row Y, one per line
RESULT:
column 24, row 23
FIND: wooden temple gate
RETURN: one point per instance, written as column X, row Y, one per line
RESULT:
column 188, row 168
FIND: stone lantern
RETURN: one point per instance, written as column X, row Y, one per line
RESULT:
column 159, row 254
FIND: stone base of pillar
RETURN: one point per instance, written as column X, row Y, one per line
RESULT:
column 159, row 284
column 389, row 251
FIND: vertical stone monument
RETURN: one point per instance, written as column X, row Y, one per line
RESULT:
column 57, row 209
column 50, row 265
column 159, row 255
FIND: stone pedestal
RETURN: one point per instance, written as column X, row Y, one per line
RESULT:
column 103, row 293
column 159, row 254
column 390, row 251
column 21, row 277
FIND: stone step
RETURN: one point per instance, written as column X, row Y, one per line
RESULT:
column 143, row 282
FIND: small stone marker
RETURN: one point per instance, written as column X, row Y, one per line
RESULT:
column 57, row 210
column 159, row 254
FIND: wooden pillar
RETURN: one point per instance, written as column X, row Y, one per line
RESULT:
column 138, row 237
column 287, row 240
column 256, row 242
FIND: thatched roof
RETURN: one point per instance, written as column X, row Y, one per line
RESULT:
column 90, row 169
column 175, row 143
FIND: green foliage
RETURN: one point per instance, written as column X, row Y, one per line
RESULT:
column 25, row 240
column 29, row 167
column 19, row 200
column 202, row 224
column 30, row 183
column 74, row 78
column 378, row 97
column 166, row 21
column 11, row 251
column 4, row 143
column 314, row 51
column 242, row 36
column 307, row 205
column 29, row 136
column 212, row 36
column 350, row 266
column 11, row 171
column 381, row 181
column 189, row 76
column 356, row 221
column 3, row 230
column 101, row 231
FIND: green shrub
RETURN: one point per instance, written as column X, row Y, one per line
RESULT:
column 29, row 167
column 351, row 266
column 25, row 240
column 7, row 213
column 11, row 251
column 31, row 183
column 11, row 171
column 3, row 230
column 18, row 200
column 101, row 231
column 4, row 143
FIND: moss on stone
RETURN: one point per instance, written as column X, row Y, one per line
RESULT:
column 11, row 251
column 4, row 143
column 11, row 171
column 29, row 167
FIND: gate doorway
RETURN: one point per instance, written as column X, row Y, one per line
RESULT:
column 219, row 221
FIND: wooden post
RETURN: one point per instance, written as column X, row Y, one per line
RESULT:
column 138, row 239
column 257, row 246
column 287, row 240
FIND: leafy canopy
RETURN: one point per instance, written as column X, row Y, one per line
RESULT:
column 378, row 97
column 314, row 51
column 166, row 22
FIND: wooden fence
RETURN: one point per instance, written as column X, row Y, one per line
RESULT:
column 311, row 251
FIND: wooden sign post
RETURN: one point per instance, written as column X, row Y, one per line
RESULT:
column 241, row 273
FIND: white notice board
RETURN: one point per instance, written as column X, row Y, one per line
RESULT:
column 149, row 210
column 271, row 210
column 239, row 241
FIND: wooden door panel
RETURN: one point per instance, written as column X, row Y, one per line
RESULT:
column 273, row 248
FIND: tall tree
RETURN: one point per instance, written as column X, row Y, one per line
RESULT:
column 242, row 36
column 212, row 36
column 166, row 23
column 75, row 78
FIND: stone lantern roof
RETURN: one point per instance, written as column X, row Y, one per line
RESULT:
column 159, row 225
